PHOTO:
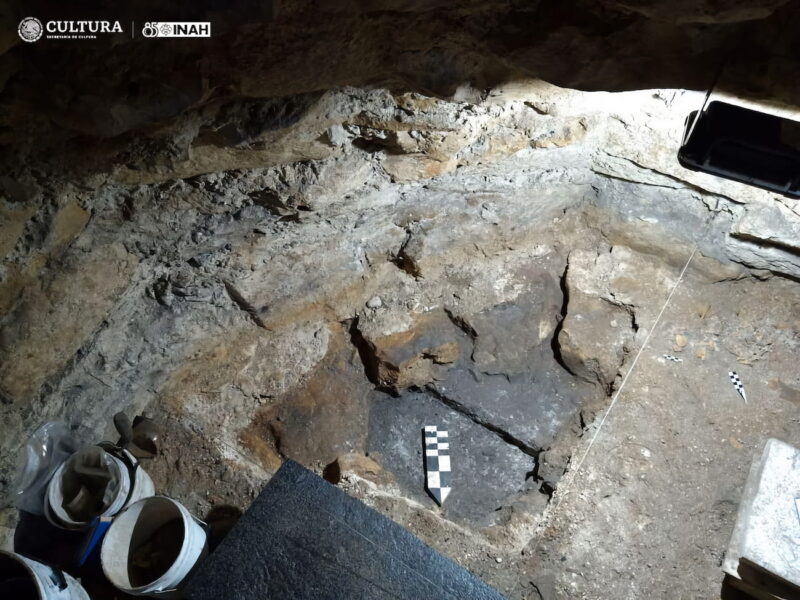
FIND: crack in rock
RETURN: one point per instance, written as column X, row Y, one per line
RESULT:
column 501, row 433
column 461, row 323
column 404, row 261
column 244, row 304
column 555, row 345
column 678, row 182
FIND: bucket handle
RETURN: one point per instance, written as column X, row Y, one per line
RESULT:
column 127, row 458
column 57, row 576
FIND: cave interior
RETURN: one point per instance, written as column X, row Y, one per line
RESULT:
column 328, row 225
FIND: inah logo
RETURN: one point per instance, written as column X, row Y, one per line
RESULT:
column 30, row 29
column 171, row 29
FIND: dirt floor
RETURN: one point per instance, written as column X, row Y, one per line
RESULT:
column 650, row 509
column 529, row 387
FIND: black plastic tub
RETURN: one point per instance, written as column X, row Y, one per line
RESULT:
column 744, row 145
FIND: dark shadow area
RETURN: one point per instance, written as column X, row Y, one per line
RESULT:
column 82, row 105
column 220, row 521
column 37, row 538
column 729, row 592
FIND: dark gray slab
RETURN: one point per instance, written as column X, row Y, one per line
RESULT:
column 304, row 539
column 509, row 336
column 512, row 380
column 532, row 406
column 486, row 471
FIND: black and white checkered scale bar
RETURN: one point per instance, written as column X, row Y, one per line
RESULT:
column 737, row 383
column 437, row 463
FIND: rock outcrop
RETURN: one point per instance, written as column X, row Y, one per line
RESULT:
column 611, row 297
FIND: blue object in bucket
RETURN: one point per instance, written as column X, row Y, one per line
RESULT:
column 97, row 530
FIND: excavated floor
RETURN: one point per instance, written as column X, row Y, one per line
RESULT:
column 651, row 508
column 495, row 379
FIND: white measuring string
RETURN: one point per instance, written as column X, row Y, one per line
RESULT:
column 574, row 472
column 635, row 360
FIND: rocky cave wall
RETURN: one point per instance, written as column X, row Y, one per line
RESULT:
column 314, row 232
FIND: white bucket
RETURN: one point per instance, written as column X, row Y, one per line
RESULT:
column 35, row 580
column 157, row 524
column 142, row 488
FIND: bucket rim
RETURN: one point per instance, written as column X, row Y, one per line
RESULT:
column 178, row 570
column 23, row 560
column 59, row 516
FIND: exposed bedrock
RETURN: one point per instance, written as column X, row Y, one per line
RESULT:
column 609, row 295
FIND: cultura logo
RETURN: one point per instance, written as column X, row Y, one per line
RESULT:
column 30, row 29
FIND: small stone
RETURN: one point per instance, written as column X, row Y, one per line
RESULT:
column 445, row 354
column 680, row 340
column 202, row 259
column 337, row 135
column 356, row 464
column 374, row 302
column 498, row 560
column 488, row 214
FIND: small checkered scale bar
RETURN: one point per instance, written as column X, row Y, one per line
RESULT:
column 737, row 383
column 437, row 463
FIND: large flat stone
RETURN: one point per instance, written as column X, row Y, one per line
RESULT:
column 772, row 224
column 486, row 470
column 508, row 335
column 767, row 236
column 304, row 539
column 532, row 407
column 513, row 381
column 319, row 420
column 594, row 339
column 765, row 546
